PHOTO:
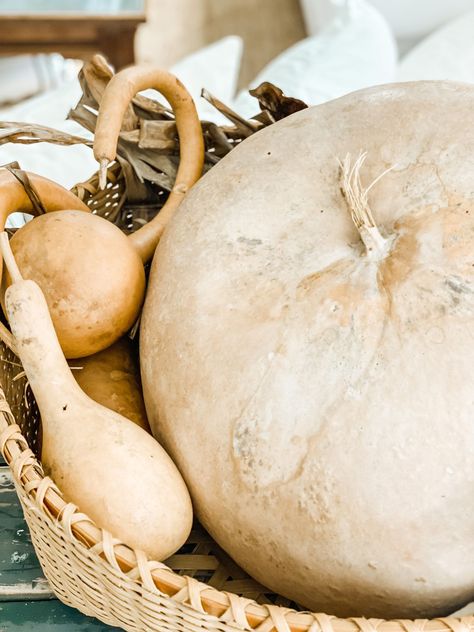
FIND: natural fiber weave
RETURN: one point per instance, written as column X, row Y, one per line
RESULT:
column 198, row 589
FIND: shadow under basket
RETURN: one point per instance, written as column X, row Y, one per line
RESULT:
column 198, row 589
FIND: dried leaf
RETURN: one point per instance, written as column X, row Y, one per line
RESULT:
column 148, row 147
column 273, row 100
column 157, row 135
column 27, row 134
column 247, row 128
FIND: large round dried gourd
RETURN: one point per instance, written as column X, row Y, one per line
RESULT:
column 309, row 364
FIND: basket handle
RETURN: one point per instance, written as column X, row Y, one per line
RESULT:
column 117, row 96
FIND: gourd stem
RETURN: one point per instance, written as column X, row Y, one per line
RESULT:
column 9, row 259
column 356, row 198
column 118, row 94
column 103, row 164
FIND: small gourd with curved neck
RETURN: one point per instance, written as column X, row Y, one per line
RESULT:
column 90, row 272
column 108, row 466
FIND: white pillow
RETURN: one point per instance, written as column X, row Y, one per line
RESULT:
column 25, row 75
column 317, row 14
column 355, row 50
column 411, row 20
column 65, row 165
column 446, row 54
column 216, row 68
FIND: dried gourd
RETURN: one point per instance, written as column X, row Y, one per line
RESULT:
column 307, row 347
column 109, row 467
column 112, row 378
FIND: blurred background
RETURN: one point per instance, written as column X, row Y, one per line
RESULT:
column 314, row 50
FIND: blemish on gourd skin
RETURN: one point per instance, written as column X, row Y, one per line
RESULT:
column 249, row 241
column 395, row 268
column 458, row 285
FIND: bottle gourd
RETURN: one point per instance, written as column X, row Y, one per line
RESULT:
column 109, row 467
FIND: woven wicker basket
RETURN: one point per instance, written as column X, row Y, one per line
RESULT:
column 199, row 588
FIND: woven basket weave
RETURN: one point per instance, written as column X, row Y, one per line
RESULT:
column 199, row 588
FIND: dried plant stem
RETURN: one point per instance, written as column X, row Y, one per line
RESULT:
column 356, row 197
column 7, row 337
column 9, row 259
column 103, row 164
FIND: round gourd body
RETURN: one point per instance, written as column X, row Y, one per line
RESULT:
column 319, row 400
column 90, row 273
column 111, row 377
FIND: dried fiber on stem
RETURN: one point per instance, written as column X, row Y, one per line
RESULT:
column 357, row 198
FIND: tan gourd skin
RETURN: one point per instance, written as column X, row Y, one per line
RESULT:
column 112, row 469
column 319, row 401
column 112, row 378
column 13, row 197
column 119, row 92
column 91, row 273
column 92, row 279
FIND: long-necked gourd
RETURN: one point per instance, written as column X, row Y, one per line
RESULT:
column 308, row 339
column 114, row 471
column 91, row 273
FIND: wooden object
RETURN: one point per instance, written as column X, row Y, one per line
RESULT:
column 75, row 35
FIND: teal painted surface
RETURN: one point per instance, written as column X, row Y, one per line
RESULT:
column 46, row 616
column 21, row 576
column 27, row 603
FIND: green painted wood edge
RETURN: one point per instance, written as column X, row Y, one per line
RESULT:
column 47, row 616
column 21, row 576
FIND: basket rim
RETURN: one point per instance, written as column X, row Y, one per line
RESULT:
column 28, row 474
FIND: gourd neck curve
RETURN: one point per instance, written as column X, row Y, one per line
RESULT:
column 37, row 345
column 117, row 96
